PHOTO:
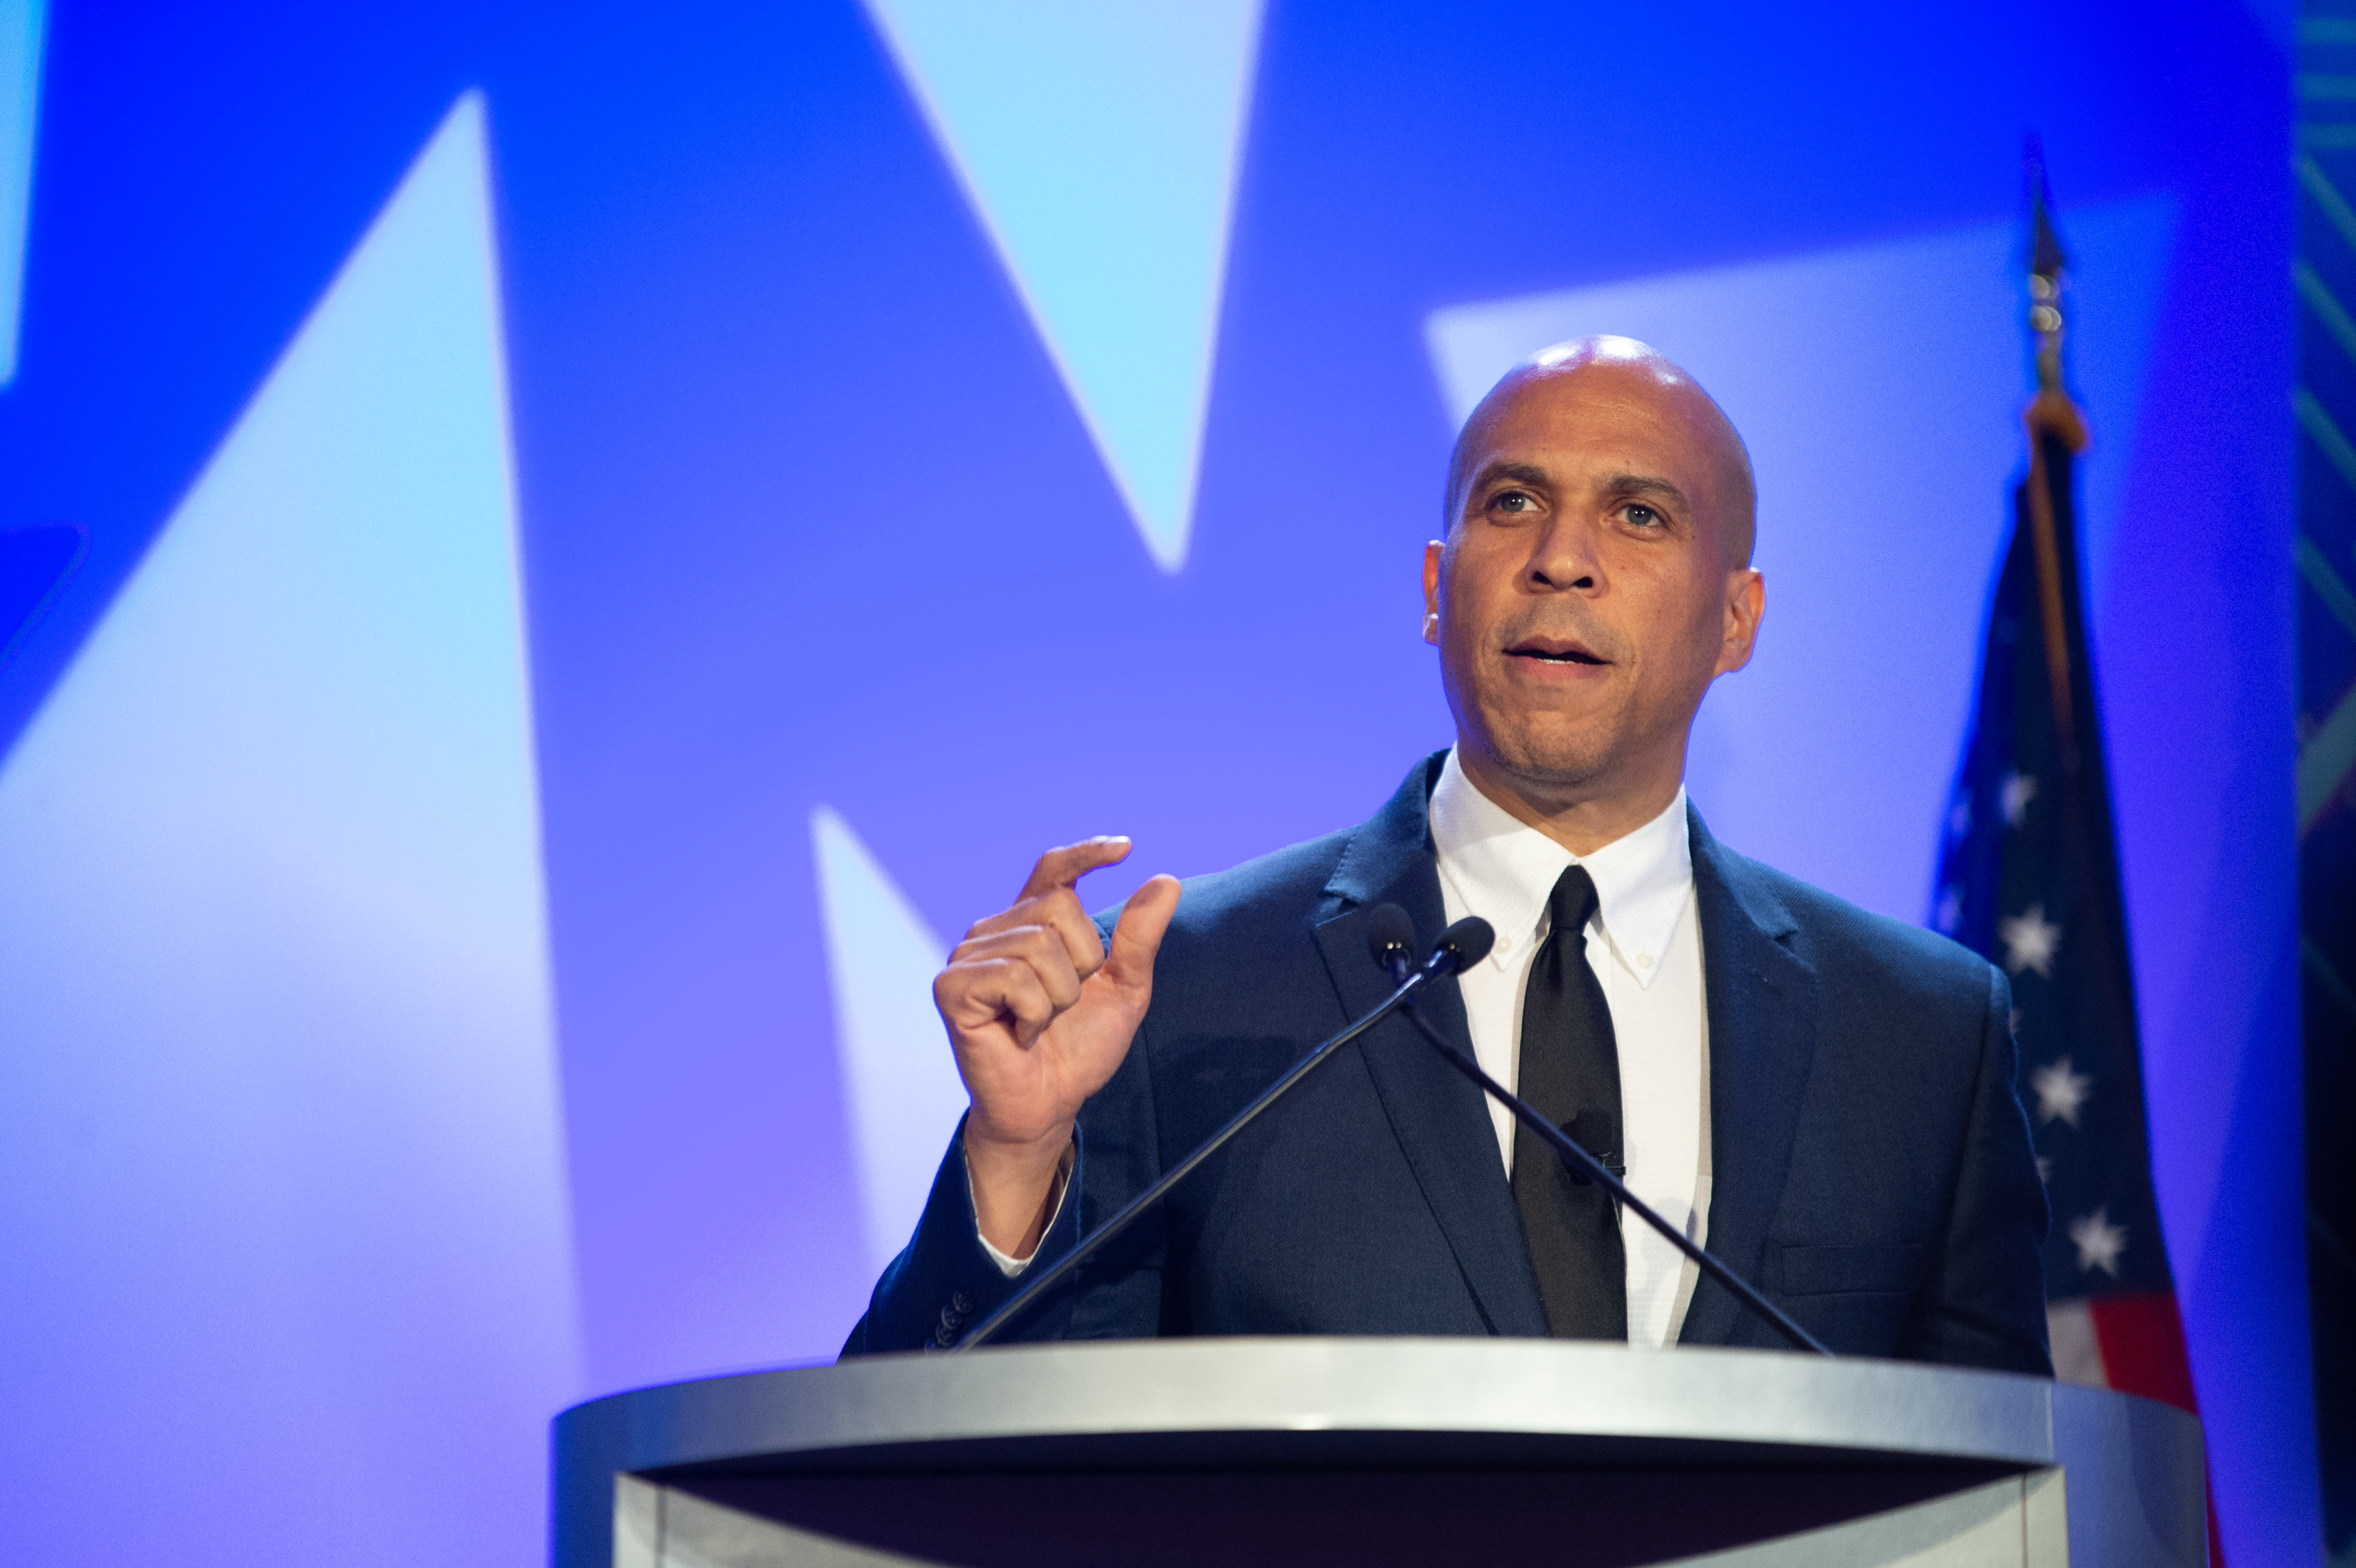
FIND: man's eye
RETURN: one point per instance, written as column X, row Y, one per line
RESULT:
column 1512, row 501
column 1642, row 516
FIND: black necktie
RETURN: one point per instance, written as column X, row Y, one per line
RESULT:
column 1570, row 1072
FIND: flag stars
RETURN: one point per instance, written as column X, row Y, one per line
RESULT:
column 2099, row 1242
column 2060, row 1091
column 2017, row 790
column 2029, row 941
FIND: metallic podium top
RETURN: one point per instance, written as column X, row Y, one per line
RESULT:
column 2134, row 1469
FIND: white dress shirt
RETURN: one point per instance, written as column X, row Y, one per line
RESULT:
column 1645, row 946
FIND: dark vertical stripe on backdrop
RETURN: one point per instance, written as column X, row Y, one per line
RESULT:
column 2323, row 405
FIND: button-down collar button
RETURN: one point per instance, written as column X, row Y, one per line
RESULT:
column 1643, row 961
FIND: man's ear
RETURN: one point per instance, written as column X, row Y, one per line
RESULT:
column 1431, row 554
column 1746, row 602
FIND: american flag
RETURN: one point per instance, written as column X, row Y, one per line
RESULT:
column 2029, row 876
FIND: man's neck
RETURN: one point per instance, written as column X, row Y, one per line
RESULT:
column 1582, row 820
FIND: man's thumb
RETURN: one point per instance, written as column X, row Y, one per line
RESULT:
column 1136, row 935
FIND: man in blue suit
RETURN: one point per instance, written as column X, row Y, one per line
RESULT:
column 1822, row 1096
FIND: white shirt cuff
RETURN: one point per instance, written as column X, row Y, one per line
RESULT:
column 1009, row 1266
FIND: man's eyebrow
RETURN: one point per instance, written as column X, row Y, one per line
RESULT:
column 1625, row 487
column 1528, row 474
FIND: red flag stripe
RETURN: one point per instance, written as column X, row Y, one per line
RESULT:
column 2142, row 1340
column 2143, row 1347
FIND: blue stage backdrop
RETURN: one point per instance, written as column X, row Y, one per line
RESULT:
column 614, row 534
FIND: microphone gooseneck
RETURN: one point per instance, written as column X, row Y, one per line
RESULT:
column 1391, row 944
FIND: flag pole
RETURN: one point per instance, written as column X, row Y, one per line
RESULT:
column 2051, row 416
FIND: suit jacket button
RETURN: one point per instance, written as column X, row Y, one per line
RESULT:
column 962, row 1301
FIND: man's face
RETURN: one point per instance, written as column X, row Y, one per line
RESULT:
column 1588, row 590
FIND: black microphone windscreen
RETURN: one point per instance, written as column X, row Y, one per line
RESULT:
column 1390, row 930
column 1467, row 943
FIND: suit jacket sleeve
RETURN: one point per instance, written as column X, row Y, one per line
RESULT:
column 943, row 1283
column 1982, row 1303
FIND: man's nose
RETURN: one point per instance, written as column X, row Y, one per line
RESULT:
column 1566, row 560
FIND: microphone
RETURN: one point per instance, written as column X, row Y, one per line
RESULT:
column 1466, row 943
column 1461, row 947
column 1392, row 940
column 1390, row 935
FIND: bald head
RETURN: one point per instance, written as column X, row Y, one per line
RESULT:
column 1594, row 582
column 1628, row 372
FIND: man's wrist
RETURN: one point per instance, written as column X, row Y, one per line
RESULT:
column 1015, row 1186
column 1012, row 1264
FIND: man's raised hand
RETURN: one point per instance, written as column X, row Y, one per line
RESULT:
column 1040, row 1015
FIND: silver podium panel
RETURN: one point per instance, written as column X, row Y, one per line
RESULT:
column 1315, row 1450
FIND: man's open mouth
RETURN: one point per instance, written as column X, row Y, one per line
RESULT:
column 1550, row 650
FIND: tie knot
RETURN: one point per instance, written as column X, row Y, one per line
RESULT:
column 1572, row 903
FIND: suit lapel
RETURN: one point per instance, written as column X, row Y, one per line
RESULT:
column 1438, row 1117
column 1760, row 999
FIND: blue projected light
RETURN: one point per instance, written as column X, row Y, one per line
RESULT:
column 1098, row 144
column 277, row 1072
column 901, row 1087
column 21, row 25
column 34, row 564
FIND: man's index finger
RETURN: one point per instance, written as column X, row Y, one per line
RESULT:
column 1058, row 869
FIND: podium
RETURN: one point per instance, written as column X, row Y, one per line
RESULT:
column 1315, row 1451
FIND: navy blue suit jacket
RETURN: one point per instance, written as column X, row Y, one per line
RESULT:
column 1872, row 1169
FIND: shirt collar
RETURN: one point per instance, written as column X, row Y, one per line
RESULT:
column 1504, row 870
